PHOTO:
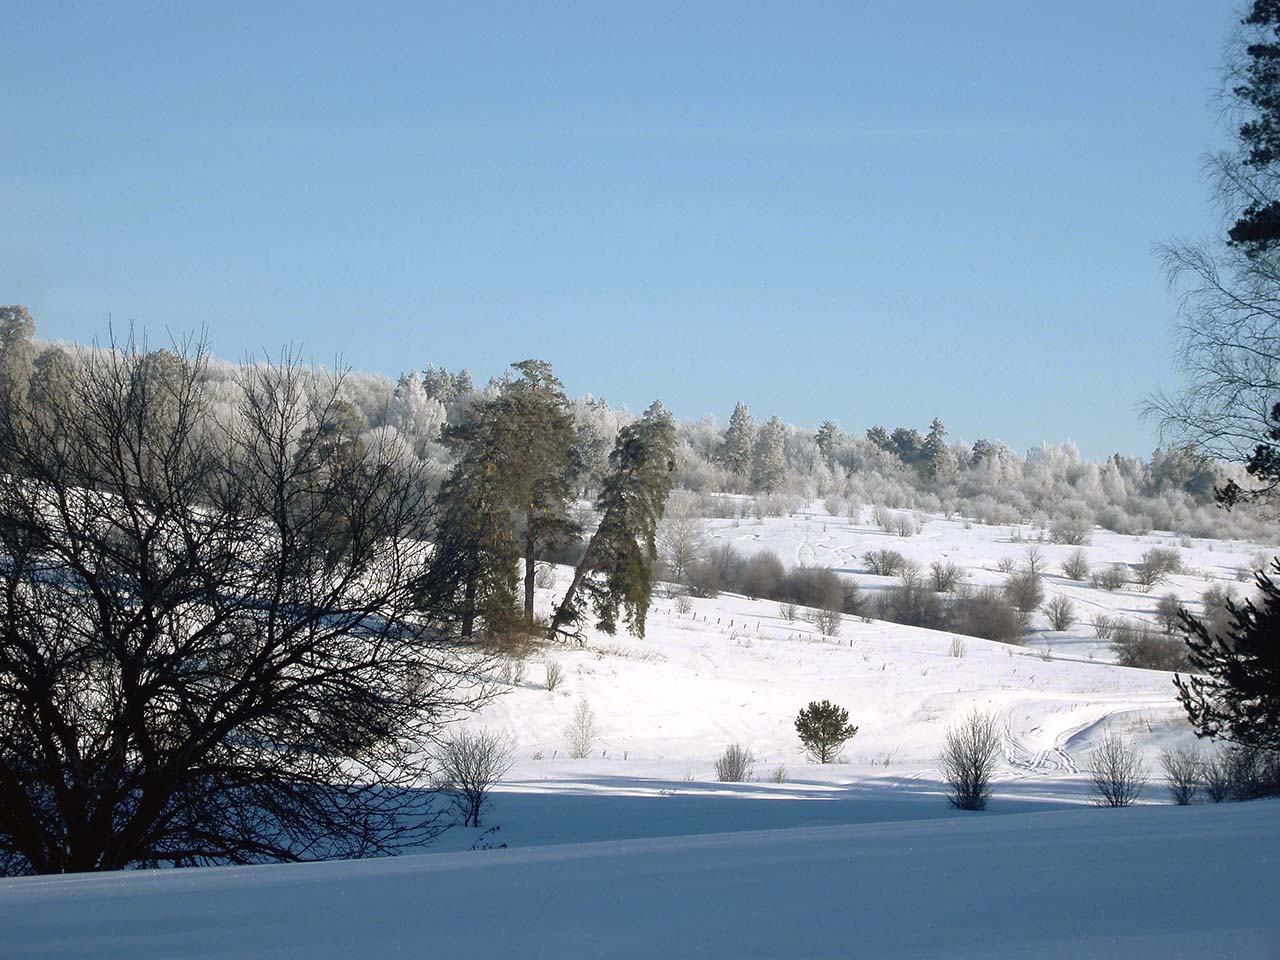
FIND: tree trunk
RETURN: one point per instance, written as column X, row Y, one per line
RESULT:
column 530, row 572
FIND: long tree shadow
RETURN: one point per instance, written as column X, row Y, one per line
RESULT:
column 602, row 807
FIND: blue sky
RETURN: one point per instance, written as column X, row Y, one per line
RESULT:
column 877, row 212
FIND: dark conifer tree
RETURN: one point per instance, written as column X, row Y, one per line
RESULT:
column 616, row 572
column 1236, row 694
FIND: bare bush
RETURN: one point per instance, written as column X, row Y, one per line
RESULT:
column 883, row 563
column 1033, row 562
column 1137, row 645
column 735, row 765
column 683, row 604
column 1156, row 566
column 1006, row 565
column 788, row 611
column 904, row 526
column 970, row 752
column 1215, row 776
column 1168, row 612
column 1025, row 591
column 1113, row 578
column 1183, row 770
column 1076, row 566
column 779, row 774
column 828, row 622
column 987, row 613
column 1072, row 525
column 762, row 575
column 1104, row 625
column 909, row 574
column 544, row 577
column 1061, row 613
column 944, row 576
column 554, row 675
column 471, row 763
column 581, row 733
column 1116, row 772
column 957, row 648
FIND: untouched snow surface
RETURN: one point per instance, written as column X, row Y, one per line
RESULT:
column 1144, row 882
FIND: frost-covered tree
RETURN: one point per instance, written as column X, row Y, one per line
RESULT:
column 937, row 461
column 737, row 450
column 769, row 469
column 827, row 439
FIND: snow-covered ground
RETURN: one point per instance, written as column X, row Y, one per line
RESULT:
column 1161, row 882
column 636, row 850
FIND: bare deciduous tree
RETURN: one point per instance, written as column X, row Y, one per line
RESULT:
column 471, row 763
column 581, row 733
column 212, row 645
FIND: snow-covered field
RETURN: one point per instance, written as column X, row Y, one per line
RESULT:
column 635, row 850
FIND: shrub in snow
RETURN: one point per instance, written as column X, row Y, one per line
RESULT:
column 883, row 563
column 970, row 752
column 1076, row 566
column 1183, row 771
column 471, row 762
column 1116, row 772
column 554, row 675
column 581, row 733
column 544, row 577
column 828, row 622
column 1112, row 578
column 1155, row 567
column 1138, row 645
column 1025, row 590
column 823, row 729
column 762, row 575
column 987, row 613
column 735, row 764
column 944, row 576
column 1061, row 613
column 788, row 611
column 778, row 774
column 1168, row 612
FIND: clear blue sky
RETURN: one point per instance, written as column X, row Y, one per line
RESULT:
column 872, row 211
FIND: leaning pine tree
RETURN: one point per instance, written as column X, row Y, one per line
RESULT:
column 616, row 571
column 1236, row 694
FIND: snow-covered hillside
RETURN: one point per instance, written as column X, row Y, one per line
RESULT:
column 640, row 852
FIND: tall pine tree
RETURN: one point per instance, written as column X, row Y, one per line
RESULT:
column 616, row 572
column 738, row 449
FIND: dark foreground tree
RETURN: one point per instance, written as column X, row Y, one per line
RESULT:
column 616, row 572
column 1234, row 693
column 197, row 664
column 1229, row 318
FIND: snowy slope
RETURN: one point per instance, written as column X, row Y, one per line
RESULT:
column 1145, row 882
column 635, row 850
